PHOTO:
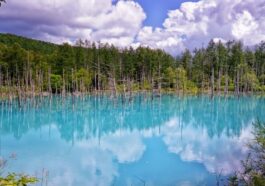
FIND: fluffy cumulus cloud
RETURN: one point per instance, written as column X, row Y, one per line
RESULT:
column 195, row 23
column 217, row 154
column 97, row 162
column 120, row 22
column 66, row 20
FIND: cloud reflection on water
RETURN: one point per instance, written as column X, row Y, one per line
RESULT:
column 217, row 154
column 102, row 144
column 87, row 162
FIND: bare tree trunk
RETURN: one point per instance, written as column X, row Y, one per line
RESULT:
column 202, row 84
column 114, row 87
column 98, row 79
column 49, row 81
column 212, row 82
column 219, row 80
column 95, row 82
column 121, row 75
column 152, row 82
column 226, row 82
column 124, row 90
column 73, row 81
column 142, row 80
column 63, row 88
column 28, row 73
column 159, row 78
column 129, row 85
column 237, row 82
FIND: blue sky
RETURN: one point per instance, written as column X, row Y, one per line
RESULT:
column 171, row 25
column 156, row 10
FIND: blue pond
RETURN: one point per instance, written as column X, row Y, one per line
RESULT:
column 97, row 141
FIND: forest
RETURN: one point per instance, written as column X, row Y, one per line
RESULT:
column 35, row 67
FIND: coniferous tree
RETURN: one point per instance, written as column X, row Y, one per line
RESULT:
column 39, row 66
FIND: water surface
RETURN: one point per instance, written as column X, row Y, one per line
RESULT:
column 95, row 141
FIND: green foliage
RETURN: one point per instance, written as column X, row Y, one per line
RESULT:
column 135, row 87
column 170, row 77
column 63, row 60
column 262, row 88
column 56, row 82
column 13, row 179
column 262, row 79
column 250, row 80
column 181, row 78
column 191, row 87
column 28, row 44
column 83, row 77
column 233, row 180
column 258, row 180
column 254, row 165
column 147, row 85
column 89, row 66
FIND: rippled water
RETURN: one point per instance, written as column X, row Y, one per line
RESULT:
column 96, row 141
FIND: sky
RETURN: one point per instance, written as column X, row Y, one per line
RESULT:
column 156, row 10
column 171, row 25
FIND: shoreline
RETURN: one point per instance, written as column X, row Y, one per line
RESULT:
column 127, row 95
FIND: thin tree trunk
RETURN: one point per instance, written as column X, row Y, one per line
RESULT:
column 226, row 82
column 98, row 75
column 219, row 80
column 159, row 80
column 212, row 82
column 237, row 82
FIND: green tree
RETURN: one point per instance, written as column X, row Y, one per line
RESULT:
column 198, row 69
column 63, row 60
column 13, row 179
column 84, row 78
column 253, row 173
column 170, row 77
column 29, row 63
column 181, row 79
column 187, row 62
column 250, row 81
column 212, row 63
column 56, row 83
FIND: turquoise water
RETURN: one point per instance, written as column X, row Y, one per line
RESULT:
column 97, row 141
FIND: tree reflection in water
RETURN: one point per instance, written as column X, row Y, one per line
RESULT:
column 105, row 141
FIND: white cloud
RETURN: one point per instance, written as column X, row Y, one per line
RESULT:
column 159, row 38
column 120, row 22
column 195, row 23
column 220, row 154
column 97, row 162
column 66, row 20
column 126, row 146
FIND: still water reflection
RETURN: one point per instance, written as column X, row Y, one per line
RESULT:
column 168, row 141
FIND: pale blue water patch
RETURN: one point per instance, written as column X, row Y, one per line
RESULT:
column 95, row 141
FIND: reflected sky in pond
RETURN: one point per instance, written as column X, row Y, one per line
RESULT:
column 95, row 141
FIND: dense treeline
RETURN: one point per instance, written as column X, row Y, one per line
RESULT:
column 28, row 65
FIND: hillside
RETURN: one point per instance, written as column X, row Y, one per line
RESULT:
column 28, row 44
